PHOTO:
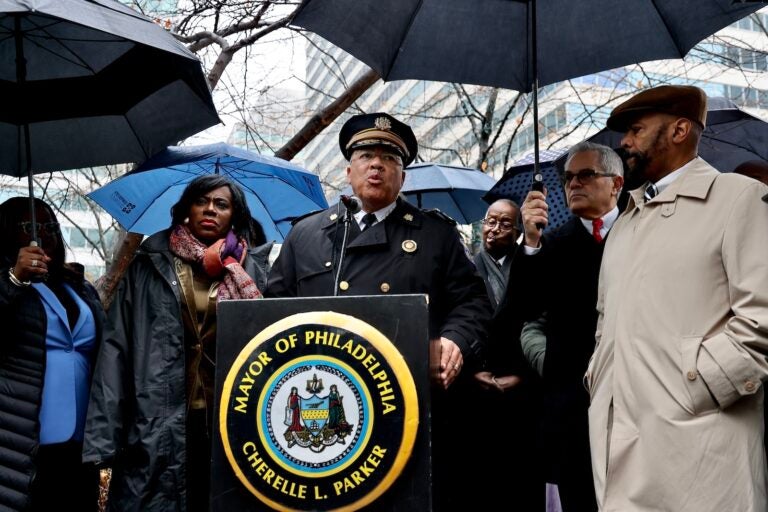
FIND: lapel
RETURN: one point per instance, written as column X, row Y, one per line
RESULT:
column 84, row 310
column 54, row 304
column 508, row 261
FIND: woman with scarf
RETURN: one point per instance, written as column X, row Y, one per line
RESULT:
column 52, row 321
column 150, row 417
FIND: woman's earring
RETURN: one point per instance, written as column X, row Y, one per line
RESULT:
column 186, row 220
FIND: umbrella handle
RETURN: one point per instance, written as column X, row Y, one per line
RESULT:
column 538, row 185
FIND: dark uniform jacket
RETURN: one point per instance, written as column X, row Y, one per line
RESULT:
column 137, row 411
column 412, row 251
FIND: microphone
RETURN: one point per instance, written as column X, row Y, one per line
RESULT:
column 352, row 204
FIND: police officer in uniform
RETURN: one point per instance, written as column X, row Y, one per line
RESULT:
column 392, row 247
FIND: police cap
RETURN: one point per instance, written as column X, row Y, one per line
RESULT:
column 378, row 129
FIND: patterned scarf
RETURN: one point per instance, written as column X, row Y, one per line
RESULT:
column 222, row 258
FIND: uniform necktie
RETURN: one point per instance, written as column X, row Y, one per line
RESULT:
column 597, row 225
column 650, row 192
column 368, row 220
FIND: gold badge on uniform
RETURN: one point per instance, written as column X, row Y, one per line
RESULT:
column 334, row 216
column 409, row 246
column 408, row 217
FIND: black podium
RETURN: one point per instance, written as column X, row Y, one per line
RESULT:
column 322, row 404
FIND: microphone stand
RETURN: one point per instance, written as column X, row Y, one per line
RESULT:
column 347, row 219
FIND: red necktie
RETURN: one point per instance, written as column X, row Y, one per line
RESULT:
column 597, row 224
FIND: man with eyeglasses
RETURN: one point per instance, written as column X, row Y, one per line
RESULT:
column 555, row 278
column 396, row 248
column 505, row 385
column 676, row 380
column 499, row 234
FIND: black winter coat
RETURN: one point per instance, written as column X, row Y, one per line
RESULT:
column 137, row 412
column 22, row 371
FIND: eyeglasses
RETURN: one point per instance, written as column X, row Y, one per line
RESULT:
column 584, row 176
column 42, row 227
column 504, row 225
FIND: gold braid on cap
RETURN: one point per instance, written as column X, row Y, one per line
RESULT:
column 374, row 136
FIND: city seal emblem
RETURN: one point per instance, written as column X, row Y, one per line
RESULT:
column 318, row 412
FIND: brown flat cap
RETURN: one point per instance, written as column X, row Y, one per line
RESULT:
column 678, row 100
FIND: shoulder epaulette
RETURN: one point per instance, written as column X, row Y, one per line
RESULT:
column 434, row 212
column 300, row 217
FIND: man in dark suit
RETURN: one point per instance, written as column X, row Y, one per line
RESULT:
column 500, row 234
column 557, row 277
column 503, row 399
column 392, row 247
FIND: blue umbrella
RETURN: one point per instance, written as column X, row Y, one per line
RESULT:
column 277, row 191
column 455, row 191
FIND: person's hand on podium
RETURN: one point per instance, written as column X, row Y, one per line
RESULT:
column 451, row 362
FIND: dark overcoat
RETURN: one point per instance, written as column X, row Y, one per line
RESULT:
column 137, row 412
column 561, row 280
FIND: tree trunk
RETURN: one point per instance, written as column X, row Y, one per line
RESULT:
column 127, row 245
column 324, row 117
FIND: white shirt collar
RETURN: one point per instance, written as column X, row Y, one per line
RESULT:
column 380, row 214
column 608, row 220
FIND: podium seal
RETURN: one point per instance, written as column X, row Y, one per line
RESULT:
column 318, row 412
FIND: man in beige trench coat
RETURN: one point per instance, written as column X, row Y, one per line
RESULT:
column 682, row 337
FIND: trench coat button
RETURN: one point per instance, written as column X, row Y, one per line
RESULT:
column 173, row 283
column 327, row 263
column 385, row 287
column 344, row 286
column 691, row 375
column 749, row 386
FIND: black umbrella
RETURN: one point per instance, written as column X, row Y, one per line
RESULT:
column 495, row 43
column 516, row 183
column 92, row 82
